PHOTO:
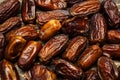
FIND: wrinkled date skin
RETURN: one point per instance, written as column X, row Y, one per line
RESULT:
column 2, row 42
column 75, row 26
column 51, row 4
column 14, row 47
column 28, row 32
column 112, row 49
column 29, row 54
column 8, row 8
column 75, row 47
column 49, row 29
column 53, row 47
column 89, row 56
column 113, row 36
column 72, row 2
column 43, row 17
column 98, row 29
column 107, row 70
column 111, row 12
column 40, row 72
column 8, row 71
column 68, row 70
column 85, row 8
column 9, row 24
column 91, row 75
column 28, row 11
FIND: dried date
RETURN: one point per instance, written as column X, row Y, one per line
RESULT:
column 2, row 43
column 75, row 47
column 85, row 8
column 53, row 47
column 28, row 11
column 107, row 70
column 9, row 24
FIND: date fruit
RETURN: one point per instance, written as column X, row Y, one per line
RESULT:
column 53, row 47
column 8, row 8
column 118, row 72
column 85, row 8
column 43, row 17
column 40, row 72
column 9, row 24
column 72, row 2
column 8, row 71
column 28, row 11
column 89, row 56
column 51, row 4
column 29, row 54
column 28, row 32
column 112, row 49
column 14, row 47
column 68, row 70
column 111, row 12
column 113, row 36
column 98, row 29
column 75, row 47
column 49, row 29
column 2, row 43
column 107, row 70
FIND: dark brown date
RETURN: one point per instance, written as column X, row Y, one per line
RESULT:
column 9, row 24
column 89, row 56
column 112, row 49
column 14, row 47
column 43, row 17
column 40, row 72
column 107, row 70
column 68, row 70
column 2, row 42
column 113, row 36
column 75, row 47
column 28, row 32
column 8, row 71
column 75, row 26
column 72, row 2
column 28, row 11
column 98, row 29
column 53, row 47
column 92, row 75
column 111, row 12
column 118, row 73
column 49, row 29
column 29, row 54
column 85, row 8
column 8, row 8
column 51, row 4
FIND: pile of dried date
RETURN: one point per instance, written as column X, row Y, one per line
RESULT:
column 59, row 40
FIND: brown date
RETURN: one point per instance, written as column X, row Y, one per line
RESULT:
column 85, row 8
column 112, row 49
column 72, row 2
column 111, row 12
column 75, row 26
column 28, row 11
column 8, row 8
column 43, row 17
column 68, row 70
column 40, row 72
column 49, row 29
column 107, row 70
column 98, row 29
column 14, row 47
column 2, row 42
column 91, row 75
column 28, row 75
column 9, row 24
column 51, row 4
column 53, row 47
column 29, row 54
column 8, row 71
column 118, row 72
column 113, row 36
column 89, row 56
column 75, row 47
column 28, row 32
